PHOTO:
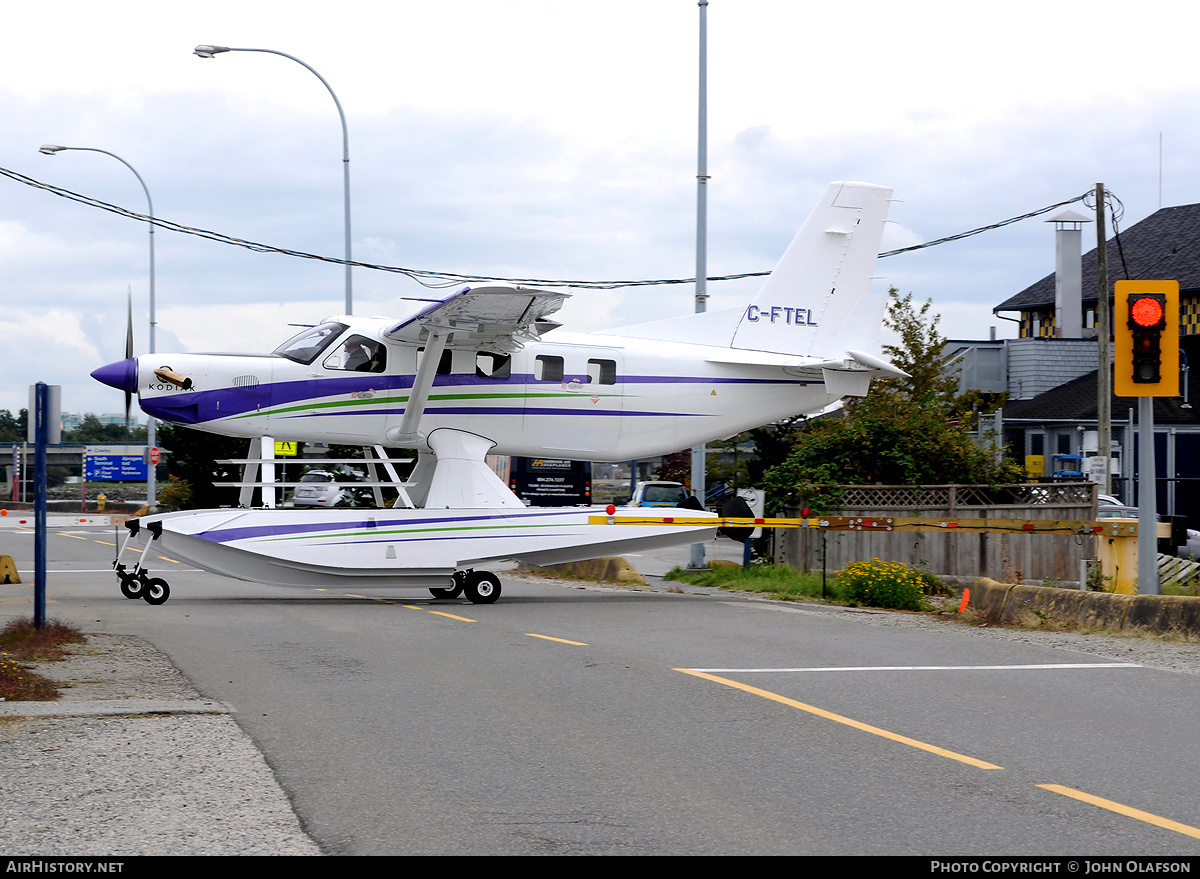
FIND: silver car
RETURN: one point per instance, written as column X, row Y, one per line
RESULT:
column 317, row 489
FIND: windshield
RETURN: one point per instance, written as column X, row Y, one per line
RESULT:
column 664, row 494
column 306, row 345
column 316, row 477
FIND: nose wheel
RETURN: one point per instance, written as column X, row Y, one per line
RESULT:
column 137, row 583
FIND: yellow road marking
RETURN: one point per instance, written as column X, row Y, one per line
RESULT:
column 74, row 536
column 453, row 617
column 1120, row 809
column 837, row 718
column 559, row 640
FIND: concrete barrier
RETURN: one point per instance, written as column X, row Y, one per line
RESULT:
column 1005, row 603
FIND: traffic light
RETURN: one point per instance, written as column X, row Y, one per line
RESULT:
column 1146, row 332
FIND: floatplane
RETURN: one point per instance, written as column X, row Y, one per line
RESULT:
column 484, row 369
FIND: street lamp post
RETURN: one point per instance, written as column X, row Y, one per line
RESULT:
column 52, row 149
column 210, row 51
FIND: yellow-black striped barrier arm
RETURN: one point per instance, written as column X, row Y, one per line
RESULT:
column 1097, row 528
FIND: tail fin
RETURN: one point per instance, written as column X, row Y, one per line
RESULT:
column 818, row 300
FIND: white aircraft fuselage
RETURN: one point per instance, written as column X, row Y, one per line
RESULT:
column 641, row 397
column 503, row 372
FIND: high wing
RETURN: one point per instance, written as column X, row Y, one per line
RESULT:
column 498, row 317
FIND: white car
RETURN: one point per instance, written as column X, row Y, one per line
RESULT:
column 317, row 489
column 658, row 494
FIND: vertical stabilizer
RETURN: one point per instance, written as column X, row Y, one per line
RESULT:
column 818, row 300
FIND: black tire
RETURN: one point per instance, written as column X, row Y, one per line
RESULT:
column 482, row 587
column 131, row 586
column 460, row 579
column 157, row 591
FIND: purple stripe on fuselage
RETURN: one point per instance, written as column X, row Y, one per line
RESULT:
column 284, row 530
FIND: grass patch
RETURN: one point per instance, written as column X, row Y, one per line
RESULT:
column 783, row 584
column 871, row 584
column 21, row 642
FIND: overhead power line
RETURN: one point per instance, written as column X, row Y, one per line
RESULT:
column 449, row 279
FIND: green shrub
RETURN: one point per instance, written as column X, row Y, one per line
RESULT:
column 883, row 584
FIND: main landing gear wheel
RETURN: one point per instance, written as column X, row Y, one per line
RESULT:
column 482, row 587
column 157, row 591
column 455, row 590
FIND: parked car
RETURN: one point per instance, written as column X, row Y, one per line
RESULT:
column 318, row 488
column 658, row 494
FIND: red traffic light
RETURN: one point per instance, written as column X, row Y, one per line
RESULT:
column 1146, row 311
column 1146, row 336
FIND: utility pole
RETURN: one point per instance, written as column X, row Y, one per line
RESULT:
column 1103, row 334
column 699, row 458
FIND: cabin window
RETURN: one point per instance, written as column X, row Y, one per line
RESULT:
column 305, row 346
column 602, row 372
column 358, row 354
column 489, row 365
column 445, row 365
column 547, row 368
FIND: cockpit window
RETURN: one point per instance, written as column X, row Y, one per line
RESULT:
column 305, row 346
column 358, row 353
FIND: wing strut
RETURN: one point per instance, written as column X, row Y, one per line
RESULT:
column 406, row 433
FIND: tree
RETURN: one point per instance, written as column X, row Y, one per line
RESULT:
column 675, row 467
column 932, row 380
column 12, row 429
column 905, row 432
column 193, row 459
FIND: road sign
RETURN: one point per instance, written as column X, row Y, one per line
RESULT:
column 115, row 463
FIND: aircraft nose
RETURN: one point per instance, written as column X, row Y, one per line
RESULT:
column 121, row 375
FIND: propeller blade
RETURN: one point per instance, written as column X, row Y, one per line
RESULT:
column 128, row 355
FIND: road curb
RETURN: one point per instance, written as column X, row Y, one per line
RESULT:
column 1005, row 602
column 112, row 708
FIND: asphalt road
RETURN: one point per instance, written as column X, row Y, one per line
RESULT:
column 576, row 719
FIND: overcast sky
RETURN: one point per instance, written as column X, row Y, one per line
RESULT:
column 550, row 140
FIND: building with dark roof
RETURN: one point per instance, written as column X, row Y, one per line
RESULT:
column 1165, row 245
column 1050, row 371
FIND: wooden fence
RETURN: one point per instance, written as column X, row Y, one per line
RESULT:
column 1002, row 556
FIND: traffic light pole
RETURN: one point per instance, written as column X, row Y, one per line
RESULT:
column 1146, row 333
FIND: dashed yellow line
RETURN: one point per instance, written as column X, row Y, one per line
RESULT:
column 442, row 613
column 1127, row 811
column 559, row 640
